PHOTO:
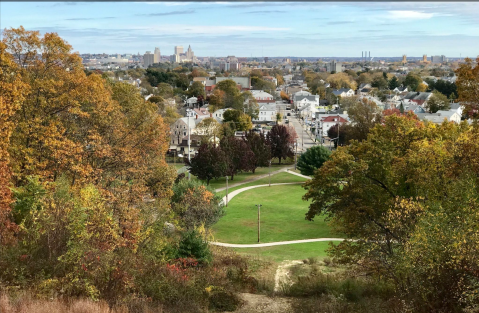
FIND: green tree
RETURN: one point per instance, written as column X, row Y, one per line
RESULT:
column 196, row 89
column 241, row 121
column 313, row 159
column 437, row 102
column 208, row 163
column 412, row 81
column 393, row 83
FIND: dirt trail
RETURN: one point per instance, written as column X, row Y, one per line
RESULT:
column 263, row 304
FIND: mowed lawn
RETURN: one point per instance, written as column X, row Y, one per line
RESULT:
column 295, row 251
column 282, row 217
column 283, row 177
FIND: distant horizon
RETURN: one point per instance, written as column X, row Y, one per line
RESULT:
column 256, row 29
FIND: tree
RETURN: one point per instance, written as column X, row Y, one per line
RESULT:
column 468, row 87
column 238, row 156
column 260, row 147
column 347, row 102
column 342, row 139
column 399, row 194
column 241, row 121
column 421, row 87
column 313, row 159
column 232, row 95
column 209, row 128
column 196, row 89
column 393, row 83
column 279, row 138
column 283, row 95
column 363, row 115
column 217, row 100
column 437, row 102
column 341, row 80
column 11, row 95
column 208, row 163
column 278, row 117
column 412, row 81
column 379, row 82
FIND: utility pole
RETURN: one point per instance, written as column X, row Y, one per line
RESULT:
column 270, row 173
column 296, row 154
column 188, row 117
column 226, row 190
column 338, row 128
column 259, row 206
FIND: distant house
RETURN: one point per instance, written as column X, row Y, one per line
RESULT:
column 343, row 92
column 243, row 82
column 365, row 85
column 262, row 96
column 400, row 89
column 191, row 102
column 201, row 80
column 329, row 121
column 419, row 98
column 182, row 147
column 267, row 113
column 416, row 109
column 179, row 129
column 440, row 116
column 218, row 114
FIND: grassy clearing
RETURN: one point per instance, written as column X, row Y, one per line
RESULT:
column 297, row 251
column 275, row 179
column 282, row 217
column 241, row 177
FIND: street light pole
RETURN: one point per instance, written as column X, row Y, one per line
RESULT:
column 188, row 116
column 270, row 173
column 226, row 190
column 259, row 206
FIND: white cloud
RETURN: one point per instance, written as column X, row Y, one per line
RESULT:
column 205, row 29
column 410, row 15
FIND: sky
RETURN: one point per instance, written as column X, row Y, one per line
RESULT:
column 257, row 29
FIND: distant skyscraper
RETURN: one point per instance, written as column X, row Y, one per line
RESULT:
column 175, row 58
column 190, row 54
column 424, row 58
column 148, row 58
column 438, row 59
column 157, row 57
column 178, row 50
column 334, row 66
column 404, row 60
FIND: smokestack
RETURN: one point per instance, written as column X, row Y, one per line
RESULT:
column 362, row 55
column 369, row 53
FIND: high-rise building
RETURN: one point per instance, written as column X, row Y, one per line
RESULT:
column 334, row 66
column 438, row 59
column 178, row 50
column 175, row 58
column 157, row 57
column 424, row 58
column 148, row 59
column 190, row 55
column 404, row 60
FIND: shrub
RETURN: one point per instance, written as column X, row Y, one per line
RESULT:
column 221, row 300
column 313, row 159
column 192, row 245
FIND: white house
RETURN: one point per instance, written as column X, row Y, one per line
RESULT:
column 191, row 101
column 328, row 121
column 267, row 112
column 262, row 96
column 343, row 92
column 218, row 114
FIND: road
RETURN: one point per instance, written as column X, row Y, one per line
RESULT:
column 304, row 139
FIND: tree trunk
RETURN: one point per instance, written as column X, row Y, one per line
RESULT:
column 279, row 160
column 232, row 176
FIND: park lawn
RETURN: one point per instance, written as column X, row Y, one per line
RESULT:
column 282, row 217
column 177, row 166
column 283, row 177
column 297, row 251
column 241, row 177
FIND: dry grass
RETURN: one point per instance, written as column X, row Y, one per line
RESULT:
column 25, row 304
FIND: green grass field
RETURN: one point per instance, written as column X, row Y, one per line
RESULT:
column 282, row 216
column 241, row 177
column 288, row 252
column 275, row 179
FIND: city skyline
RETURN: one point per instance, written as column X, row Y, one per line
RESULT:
column 257, row 29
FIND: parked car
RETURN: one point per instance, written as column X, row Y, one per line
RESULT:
column 286, row 121
column 271, row 123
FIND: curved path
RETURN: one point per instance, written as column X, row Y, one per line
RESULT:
column 268, row 244
column 232, row 194
column 250, row 180
column 271, row 244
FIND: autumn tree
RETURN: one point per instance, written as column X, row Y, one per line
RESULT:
column 217, row 100
column 422, row 87
column 208, row 128
column 208, row 163
column 196, row 205
column 238, row 156
column 412, row 81
column 468, row 87
column 399, row 194
column 342, row 80
column 280, row 141
column 241, row 121
column 11, row 95
column 196, row 89
column 260, row 147
column 363, row 115
column 437, row 102
column 284, row 96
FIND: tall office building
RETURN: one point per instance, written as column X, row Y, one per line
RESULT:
column 190, row 54
column 175, row 58
column 178, row 50
column 157, row 57
column 334, row 66
column 148, row 59
column 438, row 59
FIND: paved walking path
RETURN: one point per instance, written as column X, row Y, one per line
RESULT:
column 232, row 194
column 271, row 244
column 250, row 180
